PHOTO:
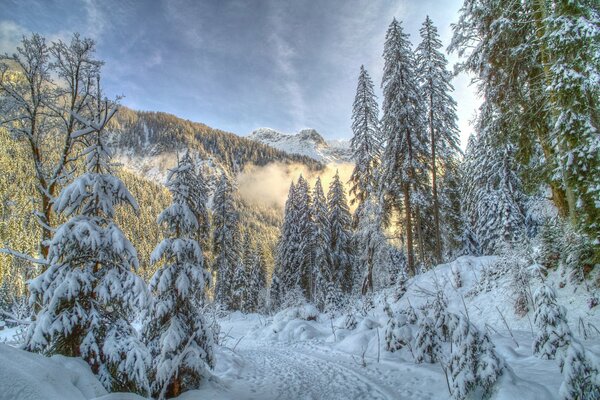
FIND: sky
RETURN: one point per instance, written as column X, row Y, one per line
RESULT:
column 239, row 65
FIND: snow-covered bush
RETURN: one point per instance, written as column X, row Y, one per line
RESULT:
column 581, row 374
column 550, row 319
column 350, row 321
column 179, row 339
column 293, row 298
column 427, row 342
column 473, row 363
column 397, row 332
column 89, row 289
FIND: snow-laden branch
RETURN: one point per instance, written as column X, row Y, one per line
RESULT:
column 23, row 256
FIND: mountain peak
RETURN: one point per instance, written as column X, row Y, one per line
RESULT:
column 313, row 135
column 307, row 142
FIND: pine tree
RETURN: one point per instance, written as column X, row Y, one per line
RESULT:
column 366, row 140
column 256, row 281
column 287, row 246
column 493, row 194
column 550, row 318
column 303, row 263
column 403, row 169
column 474, row 362
column 198, row 198
column 177, row 335
column 427, row 342
column 370, row 241
column 581, row 374
column 441, row 114
column 340, row 237
column 536, row 65
column 89, row 292
column 572, row 35
column 295, row 248
column 397, row 333
column 225, row 241
column 322, row 264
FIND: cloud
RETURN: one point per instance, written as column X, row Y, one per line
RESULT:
column 269, row 185
column 284, row 57
column 11, row 34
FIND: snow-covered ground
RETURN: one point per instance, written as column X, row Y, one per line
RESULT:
column 292, row 355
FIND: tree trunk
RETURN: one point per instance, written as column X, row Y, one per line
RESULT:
column 368, row 281
column 409, row 234
column 436, row 206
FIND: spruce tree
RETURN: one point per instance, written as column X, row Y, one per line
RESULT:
column 287, row 246
column 340, row 238
column 474, row 362
column 366, row 140
column 303, row 263
column 322, row 266
column 177, row 335
column 403, row 163
column 225, row 241
column 198, row 198
column 581, row 374
column 572, row 35
column 370, row 240
column 427, row 342
column 441, row 115
column 256, row 281
column 550, row 319
column 89, row 292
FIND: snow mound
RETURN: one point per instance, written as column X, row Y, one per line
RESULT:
column 292, row 324
column 33, row 376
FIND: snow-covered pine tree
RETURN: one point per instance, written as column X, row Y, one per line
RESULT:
column 551, row 320
column 239, row 286
column 225, row 240
column 255, row 281
column 474, row 362
column 370, row 241
column 199, row 191
column 571, row 36
column 294, row 253
column 89, row 292
column 397, row 332
column 403, row 167
column 543, row 89
column 581, row 374
column 304, row 234
column 441, row 117
column 366, row 141
column 492, row 190
column 340, row 235
column 287, row 247
column 321, row 257
column 427, row 342
column 177, row 335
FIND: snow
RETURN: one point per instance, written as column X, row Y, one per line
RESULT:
column 33, row 376
column 301, row 354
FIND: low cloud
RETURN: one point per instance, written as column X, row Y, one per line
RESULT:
column 269, row 185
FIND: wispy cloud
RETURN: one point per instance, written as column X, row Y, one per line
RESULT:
column 10, row 36
column 284, row 57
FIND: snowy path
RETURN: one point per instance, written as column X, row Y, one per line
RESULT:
column 277, row 372
column 313, row 370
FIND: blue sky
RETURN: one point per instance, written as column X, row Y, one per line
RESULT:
column 238, row 65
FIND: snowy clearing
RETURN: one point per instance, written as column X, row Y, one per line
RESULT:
column 288, row 356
